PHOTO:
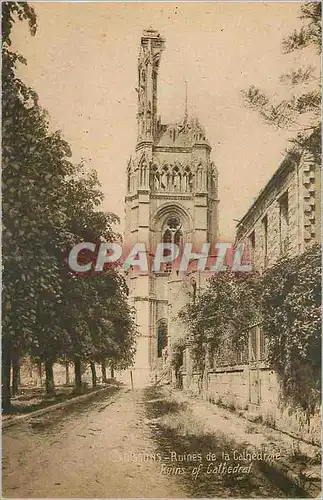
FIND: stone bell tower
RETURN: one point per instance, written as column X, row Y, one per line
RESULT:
column 172, row 196
column 152, row 45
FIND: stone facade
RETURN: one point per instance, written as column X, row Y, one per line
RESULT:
column 282, row 222
column 172, row 196
column 232, row 387
column 286, row 216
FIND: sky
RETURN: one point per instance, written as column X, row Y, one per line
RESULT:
column 83, row 65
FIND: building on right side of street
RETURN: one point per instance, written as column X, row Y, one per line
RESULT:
column 282, row 222
column 285, row 218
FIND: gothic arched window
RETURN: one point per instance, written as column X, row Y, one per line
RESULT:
column 176, row 179
column 143, row 172
column 214, row 178
column 172, row 234
column 154, row 178
column 178, row 238
column 129, row 180
column 188, row 180
column 164, row 178
column 167, row 236
column 199, row 177
column 173, row 223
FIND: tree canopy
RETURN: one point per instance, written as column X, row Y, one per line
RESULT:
column 286, row 300
column 49, row 205
column 225, row 308
column 301, row 114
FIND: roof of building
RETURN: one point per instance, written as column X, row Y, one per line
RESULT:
column 185, row 133
column 288, row 162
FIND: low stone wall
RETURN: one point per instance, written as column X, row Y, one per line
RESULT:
column 293, row 420
column 192, row 384
column 231, row 387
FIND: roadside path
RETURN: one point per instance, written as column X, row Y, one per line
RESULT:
column 132, row 444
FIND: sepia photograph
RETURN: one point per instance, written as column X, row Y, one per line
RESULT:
column 161, row 249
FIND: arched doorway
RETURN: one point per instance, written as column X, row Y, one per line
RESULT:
column 171, row 234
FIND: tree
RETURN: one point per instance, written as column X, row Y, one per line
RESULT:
column 225, row 308
column 49, row 206
column 34, row 167
column 302, row 112
column 101, row 326
column 70, row 317
column 99, row 321
column 179, row 345
column 35, row 202
column 291, row 310
column 287, row 300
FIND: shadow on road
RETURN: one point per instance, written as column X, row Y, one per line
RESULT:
column 51, row 421
column 185, row 446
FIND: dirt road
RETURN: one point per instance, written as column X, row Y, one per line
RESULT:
column 129, row 444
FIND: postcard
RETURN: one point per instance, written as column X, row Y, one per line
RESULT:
column 161, row 194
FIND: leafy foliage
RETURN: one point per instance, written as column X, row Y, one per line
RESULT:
column 227, row 305
column 287, row 299
column 34, row 167
column 291, row 290
column 309, row 35
column 176, row 354
column 50, row 204
column 291, row 299
column 302, row 112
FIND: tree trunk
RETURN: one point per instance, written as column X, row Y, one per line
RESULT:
column 40, row 374
column 6, row 373
column 67, row 373
column 77, row 371
column 104, row 372
column 50, row 386
column 112, row 372
column 206, row 375
column 93, row 372
column 15, row 372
